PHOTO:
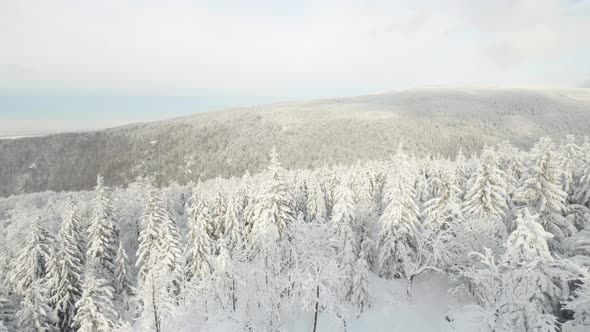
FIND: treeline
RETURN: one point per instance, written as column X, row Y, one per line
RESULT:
column 511, row 227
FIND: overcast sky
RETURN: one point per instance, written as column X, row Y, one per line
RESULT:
column 77, row 64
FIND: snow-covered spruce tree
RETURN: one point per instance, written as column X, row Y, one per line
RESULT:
column 582, row 191
column 216, row 228
column 511, row 164
column 570, row 157
column 343, row 218
column 233, row 224
column 577, row 247
column 445, row 208
column 103, row 234
column 95, row 309
column 360, row 295
column 35, row 314
column 316, row 203
column 485, row 200
column 399, row 221
column 579, row 303
column 540, row 189
column 224, row 282
column 199, row 259
column 67, row 274
column 315, row 274
column 421, row 186
column 274, row 206
column 123, row 287
column 159, row 262
column 527, row 258
column 462, row 173
column 31, row 263
column 433, row 178
column 8, row 306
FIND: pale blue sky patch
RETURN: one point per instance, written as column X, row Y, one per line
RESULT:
column 54, row 54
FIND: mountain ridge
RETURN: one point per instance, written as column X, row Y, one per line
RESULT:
column 307, row 134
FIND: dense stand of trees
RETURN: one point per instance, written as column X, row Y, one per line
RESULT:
column 512, row 227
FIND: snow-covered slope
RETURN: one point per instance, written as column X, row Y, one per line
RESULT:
column 306, row 134
column 433, row 307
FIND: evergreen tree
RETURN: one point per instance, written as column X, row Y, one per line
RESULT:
column 159, row 261
column 570, row 155
column 582, row 191
column 540, row 189
column 360, row 296
column 343, row 218
column 234, row 225
column 486, row 197
column 68, row 274
column 316, row 203
column 123, row 288
column 199, row 260
column 216, row 228
column 35, row 314
column 7, row 309
column 527, row 259
column 32, row 261
column 274, row 206
column 95, row 311
column 579, row 303
column 399, row 221
column 103, row 234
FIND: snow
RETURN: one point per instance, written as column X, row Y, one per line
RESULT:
column 431, row 303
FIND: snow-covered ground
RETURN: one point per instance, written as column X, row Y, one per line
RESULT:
column 433, row 307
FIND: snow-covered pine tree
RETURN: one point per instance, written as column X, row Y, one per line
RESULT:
column 360, row 296
column 582, row 191
column 159, row 262
column 123, row 288
column 579, row 303
column 8, row 306
column 199, row 259
column 95, row 309
column 422, row 189
column 35, row 314
column 31, row 263
column 225, row 284
column 526, row 259
column 234, row 224
column 486, row 196
column 570, row 157
column 399, row 221
column 316, row 203
column 433, row 178
column 445, row 208
column 68, row 277
column 218, row 216
column 462, row 174
column 527, row 244
column 343, row 219
column 540, row 189
column 103, row 234
column 274, row 206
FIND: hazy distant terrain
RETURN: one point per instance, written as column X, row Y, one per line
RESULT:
column 306, row 134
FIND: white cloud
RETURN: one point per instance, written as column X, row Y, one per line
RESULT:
column 178, row 47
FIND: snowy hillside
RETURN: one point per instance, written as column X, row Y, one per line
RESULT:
column 307, row 134
column 495, row 242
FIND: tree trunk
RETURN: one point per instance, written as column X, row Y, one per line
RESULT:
column 317, row 304
column 155, row 308
column 409, row 288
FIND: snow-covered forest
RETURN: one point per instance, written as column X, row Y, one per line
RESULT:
column 507, row 230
